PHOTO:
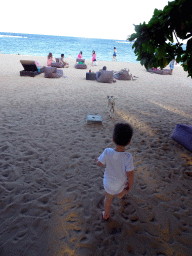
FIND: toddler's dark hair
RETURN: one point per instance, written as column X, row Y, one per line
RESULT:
column 62, row 55
column 122, row 134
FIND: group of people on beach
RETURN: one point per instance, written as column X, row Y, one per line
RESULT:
column 80, row 56
column 94, row 59
column 61, row 60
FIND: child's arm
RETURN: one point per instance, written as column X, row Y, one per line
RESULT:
column 99, row 163
column 130, row 176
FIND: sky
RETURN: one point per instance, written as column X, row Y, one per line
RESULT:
column 93, row 19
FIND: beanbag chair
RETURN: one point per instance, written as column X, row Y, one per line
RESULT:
column 80, row 66
column 98, row 74
column 105, row 77
column 80, row 60
column 57, row 65
column 52, row 72
column 183, row 135
column 123, row 75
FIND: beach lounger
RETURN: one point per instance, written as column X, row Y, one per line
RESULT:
column 30, row 68
column 161, row 72
column 53, row 72
column 182, row 134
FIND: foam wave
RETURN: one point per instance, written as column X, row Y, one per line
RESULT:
column 13, row 36
column 123, row 42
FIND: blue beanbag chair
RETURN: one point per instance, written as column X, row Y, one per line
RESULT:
column 183, row 135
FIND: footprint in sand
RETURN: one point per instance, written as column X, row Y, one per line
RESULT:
column 100, row 203
column 75, row 156
column 2, row 149
column 71, row 189
column 29, row 153
column 45, row 135
column 143, row 186
column 42, row 122
column 68, row 176
column 129, row 211
column 97, row 227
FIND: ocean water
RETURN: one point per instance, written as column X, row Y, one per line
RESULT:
column 41, row 45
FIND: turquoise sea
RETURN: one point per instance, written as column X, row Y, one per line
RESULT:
column 41, row 45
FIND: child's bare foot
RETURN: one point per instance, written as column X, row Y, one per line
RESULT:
column 105, row 216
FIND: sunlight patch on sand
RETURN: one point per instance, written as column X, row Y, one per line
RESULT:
column 174, row 110
column 133, row 119
column 188, row 159
column 63, row 224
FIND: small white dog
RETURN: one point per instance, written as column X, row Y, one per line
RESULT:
column 111, row 104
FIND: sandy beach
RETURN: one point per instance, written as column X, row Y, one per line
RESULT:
column 51, row 191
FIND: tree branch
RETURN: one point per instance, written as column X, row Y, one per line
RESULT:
column 176, row 36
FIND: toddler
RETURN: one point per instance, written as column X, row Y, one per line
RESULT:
column 118, row 175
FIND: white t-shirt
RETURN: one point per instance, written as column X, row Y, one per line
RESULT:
column 117, row 164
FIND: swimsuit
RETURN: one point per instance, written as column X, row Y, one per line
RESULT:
column 94, row 57
column 79, row 56
column 49, row 61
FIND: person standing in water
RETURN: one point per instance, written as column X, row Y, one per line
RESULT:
column 115, row 54
column 93, row 58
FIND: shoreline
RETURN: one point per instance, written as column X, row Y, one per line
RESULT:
column 70, row 58
column 51, row 189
